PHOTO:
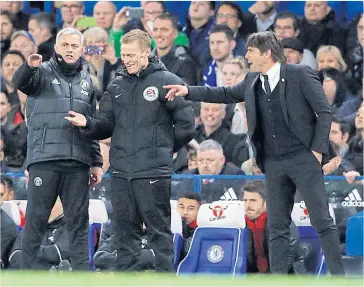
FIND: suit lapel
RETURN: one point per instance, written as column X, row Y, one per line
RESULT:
column 251, row 105
column 282, row 91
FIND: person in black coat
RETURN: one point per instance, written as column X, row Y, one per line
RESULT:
column 8, row 234
column 55, row 245
column 145, row 130
column 289, row 121
column 106, row 254
column 211, row 161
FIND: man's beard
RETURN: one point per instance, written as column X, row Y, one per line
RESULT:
column 268, row 10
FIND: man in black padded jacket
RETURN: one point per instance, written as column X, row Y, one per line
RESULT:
column 145, row 130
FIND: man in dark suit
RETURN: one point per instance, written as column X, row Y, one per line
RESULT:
column 289, row 122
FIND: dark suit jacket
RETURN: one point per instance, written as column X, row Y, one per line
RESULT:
column 303, row 101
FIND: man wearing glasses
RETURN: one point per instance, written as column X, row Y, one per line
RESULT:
column 287, row 26
column 69, row 11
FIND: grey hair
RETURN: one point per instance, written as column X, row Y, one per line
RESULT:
column 265, row 41
column 96, row 34
column 211, row 145
column 69, row 31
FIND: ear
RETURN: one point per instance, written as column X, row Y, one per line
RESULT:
column 328, row 9
column 240, row 23
column 223, row 160
column 232, row 45
column 297, row 32
column 346, row 137
column 268, row 53
column 175, row 33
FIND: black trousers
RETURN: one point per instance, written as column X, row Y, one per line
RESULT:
column 140, row 201
column 303, row 172
column 43, row 189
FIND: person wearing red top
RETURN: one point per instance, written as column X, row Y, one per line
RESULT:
column 188, row 205
column 256, row 221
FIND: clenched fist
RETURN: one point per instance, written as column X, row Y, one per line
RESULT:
column 34, row 60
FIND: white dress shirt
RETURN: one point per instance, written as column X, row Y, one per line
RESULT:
column 274, row 75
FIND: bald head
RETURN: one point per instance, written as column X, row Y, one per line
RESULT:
column 104, row 13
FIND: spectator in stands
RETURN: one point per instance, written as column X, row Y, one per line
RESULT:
column 253, row 195
column 263, row 14
column 54, row 247
column 106, row 255
column 188, row 205
column 287, row 26
column 348, row 110
column 69, row 12
column 356, row 144
column 354, row 55
column 230, row 13
column 222, row 44
column 61, row 161
column 14, row 130
column 192, row 159
column 211, row 161
column 14, row 7
column 176, row 59
column 319, row 27
column 341, row 161
column 333, row 83
column 293, row 50
column 7, row 191
column 8, row 232
column 198, row 25
column 11, row 61
column 213, row 127
column 102, row 66
column 330, row 57
column 104, row 13
column 152, row 9
column 23, row 42
column 42, row 27
column 6, row 29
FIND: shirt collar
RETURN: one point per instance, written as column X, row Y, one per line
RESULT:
column 273, row 72
column 270, row 19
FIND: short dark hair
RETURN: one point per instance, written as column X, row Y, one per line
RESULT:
column 164, row 7
column 13, row 52
column 344, row 127
column 257, row 186
column 265, row 41
column 45, row 20
column 212, row 5
column 234, row 6
column 167, row 16
column 7, row 182
column 8, row 14
column 191, row 195
column 223, row 29
column 290, row 15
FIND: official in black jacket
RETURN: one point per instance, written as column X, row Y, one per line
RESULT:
column 289, row 122
column 145, row 129
column 59, row 157
column 54, row 247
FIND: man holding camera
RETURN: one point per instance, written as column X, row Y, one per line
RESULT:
column 59, row 157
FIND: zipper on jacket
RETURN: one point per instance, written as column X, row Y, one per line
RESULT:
column 43, row 138
column 71, row 108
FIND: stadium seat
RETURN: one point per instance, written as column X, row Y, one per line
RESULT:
column 97, row 216
column 176, row 222
column 219, row 243
column 309, row 241
column 354, row 235
column 177, row 248
column 12, row 209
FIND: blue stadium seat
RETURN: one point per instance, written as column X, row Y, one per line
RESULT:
column 217, row 251
column 97, row 217
column 309, row 241
column 177, row 248
column 219, row 243
column 354, row 235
